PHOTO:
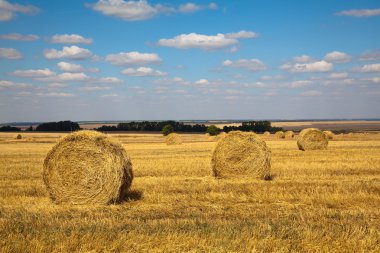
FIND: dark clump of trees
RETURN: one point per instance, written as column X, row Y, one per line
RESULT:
column 167, row 129
column 58, row 126
column 9, row 129
column 153, row 126
column 253, row 126
column 213, row 130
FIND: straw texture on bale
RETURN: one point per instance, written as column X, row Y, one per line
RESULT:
column 221, row 135
column 87, row 167
column 280, row 134
column 289, row 134
column 241, row 154
column 19, row 137
column 173, row 139
column 312, row 139
column 329, row 134
column 266, row 133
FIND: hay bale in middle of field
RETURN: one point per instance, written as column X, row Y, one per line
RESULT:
column 289, row 134
column 280, row 134
column 329, row 134
column 19, row 137
column 312, row 139
column 173, row 139
column 266, row 133
column 241, row 154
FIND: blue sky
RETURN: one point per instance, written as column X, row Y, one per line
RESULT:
column 135, row 60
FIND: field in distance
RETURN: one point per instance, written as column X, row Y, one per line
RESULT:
column 318, row 201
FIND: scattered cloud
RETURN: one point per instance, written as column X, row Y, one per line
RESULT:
column 19, row 37
column 133, row 58
column 192, row 7
column 74, row 68
column 55, row 95
column 206, row 42
column 34, row 73
column 143, row 71
column 250, row 64
column 373, row 55
column 202, row 82
column 57, row 85
column 94, row 88
column 109, row 95
column 72, row 52
column 338, row 75
column 171, row 81
column 142, row 10
column 10, row 53
column 10, row 84
column 317, row 66
column 311, row 93
column 65, row 77
column 300, row 84
column 110, row 80
column 70, row 39
column 242, row 35
column 360, row 13
column 368, row 68
column 8, row 11
column 303, row 59
column 337, row 57
column 375, row 79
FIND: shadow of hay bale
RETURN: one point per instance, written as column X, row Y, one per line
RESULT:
column 133, row 195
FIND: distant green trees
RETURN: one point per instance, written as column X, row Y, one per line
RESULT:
column 253, row 126
column 60, row 126
column 167, row 129
column 213, row 130
column 156, row 126
column 9, row 129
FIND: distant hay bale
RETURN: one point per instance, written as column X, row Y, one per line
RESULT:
column 87, row 167
column 266, row 133
column 289, row 134
column 241, row 154
column 329, row 134
column 280, row 134
column 312, row 139
column 19, row 137
column 221, row 135
column 173, row 139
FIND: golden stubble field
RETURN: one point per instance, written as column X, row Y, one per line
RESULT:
column 318, row 201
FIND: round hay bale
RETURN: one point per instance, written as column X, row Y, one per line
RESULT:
column 280, row 134
column 241, row 154
column 221, row 135
column 266, row 133
column 312, row 139
column 329, row 134
column 87, row 167
column 19, row 137
column 289, row 134
column 173, row 139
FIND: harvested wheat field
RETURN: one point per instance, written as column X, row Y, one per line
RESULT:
column 317, row 201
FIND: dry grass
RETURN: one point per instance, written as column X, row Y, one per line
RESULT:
column 318, row 201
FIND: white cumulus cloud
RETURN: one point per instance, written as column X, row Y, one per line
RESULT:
column 70, row 39
column 33, row 73
column 74, row 68
column 8, row 11
column 143, row 71
column 10, row 53
column 133, row 58
column 250, row 64
column 242, row 35
column 368, row 68
column 72, row 52
column 316, row 66
column 359, row 13
column 311, row 93
column 19, row 37
column 373, row 55
column 202, row 82
column 338, row 57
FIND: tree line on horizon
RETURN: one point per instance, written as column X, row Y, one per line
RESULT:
column 149, row 126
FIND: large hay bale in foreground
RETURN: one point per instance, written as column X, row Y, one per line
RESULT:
column 329, row 134
column 173, row 139
column 280, row 134
column 19, row 137
column 87, row 167
column 289, row 134
column 312, row 139
column 241, row 154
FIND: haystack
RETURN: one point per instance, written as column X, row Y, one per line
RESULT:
column 221, row 135
column 173, row 139
column 87, row 167
column 19, row 137
column 329, row 134
column 266, row 133
column 241, row 154
column 280, row 134
column 312, row 139
column 289, row 134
